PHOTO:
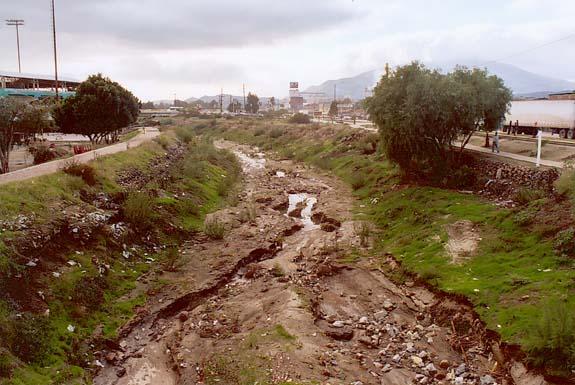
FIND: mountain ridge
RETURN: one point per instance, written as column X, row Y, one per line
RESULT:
column 520, row 81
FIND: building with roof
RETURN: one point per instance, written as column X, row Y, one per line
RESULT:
column 35, row 86
column 567, row 95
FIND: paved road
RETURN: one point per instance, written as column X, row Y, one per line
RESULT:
column 147, row 134
column 522, row 158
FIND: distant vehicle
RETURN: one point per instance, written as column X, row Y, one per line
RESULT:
column 555, row 116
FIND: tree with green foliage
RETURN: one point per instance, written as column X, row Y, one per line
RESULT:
column 234, row 106
column 421, row 113
column 19, row 120
column 333, row 110
column 481, row 103
column 100, row 108
column 273, row 103
column 253, row 103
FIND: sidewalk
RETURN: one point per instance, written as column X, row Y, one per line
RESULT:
column 522, row 158
column 54, row 166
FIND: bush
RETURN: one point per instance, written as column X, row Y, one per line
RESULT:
column 42, row 153
column 565, row 184
column 565, row 242
column 185, row 134
column 187, row 207
column 84, row 171
column 89, row 292
column 214, row 228
column 259, row 132
column 163, row 141
column 31, row 341
column 139, row 210
column 367, row 145
column 525, row 217
column 300, row 118
column 363, row 231
column 462, row 177
column 552, row 340
column 276, row 133
column 358, row 180
column 6, row 364
column 524, row 195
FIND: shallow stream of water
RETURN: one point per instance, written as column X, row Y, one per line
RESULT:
column 309, row 201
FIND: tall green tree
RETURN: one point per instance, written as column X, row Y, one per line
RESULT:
column 252, row 103
column 18, row 120
column 100, row 108
column 421, row 113
column 333, row 110
column 481, row 104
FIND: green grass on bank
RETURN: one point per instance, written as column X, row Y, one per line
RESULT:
column 517, row 276
column 94, row 294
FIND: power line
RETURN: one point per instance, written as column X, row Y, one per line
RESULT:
column 531, row 49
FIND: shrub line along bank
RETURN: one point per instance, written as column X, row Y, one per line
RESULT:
column 96, row 228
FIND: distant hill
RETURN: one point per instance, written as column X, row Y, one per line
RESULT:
column 521, row 82
column 353, row 87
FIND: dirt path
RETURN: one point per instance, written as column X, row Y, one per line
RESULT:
column 273, row 303
column 51, row 167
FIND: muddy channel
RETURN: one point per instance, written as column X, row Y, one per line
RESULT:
column 274, row 298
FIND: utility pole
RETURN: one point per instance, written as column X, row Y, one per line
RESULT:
column 334, row 92
column 232, row 106
column 221, row 100
column 55, row 47
column 244, row 88
column 16, row 23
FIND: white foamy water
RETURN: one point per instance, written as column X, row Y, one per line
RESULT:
column 309, row 201
column 249, row 163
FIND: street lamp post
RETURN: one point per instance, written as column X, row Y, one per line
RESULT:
column 17, row 23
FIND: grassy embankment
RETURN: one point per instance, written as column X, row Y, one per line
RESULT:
column 40, row 348
column 519, row 272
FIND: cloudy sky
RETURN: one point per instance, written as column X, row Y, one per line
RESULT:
column 194, row 47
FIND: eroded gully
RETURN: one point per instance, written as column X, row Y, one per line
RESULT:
column 279, row 264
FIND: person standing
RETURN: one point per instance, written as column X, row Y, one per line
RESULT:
column 510, row 127
column 516, row 128
column 495, row 145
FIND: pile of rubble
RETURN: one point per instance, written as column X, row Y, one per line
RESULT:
column 158, row 170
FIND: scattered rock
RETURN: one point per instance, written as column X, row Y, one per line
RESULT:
column 183, row 316
column 341, row 334
column 487, row 380
column 417, row 361
column 121, row 372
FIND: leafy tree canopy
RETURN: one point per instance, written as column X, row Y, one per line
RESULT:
column 100, row 107
column 421, row 113
column 252, row 103
column 18, row 120
column 333, row 110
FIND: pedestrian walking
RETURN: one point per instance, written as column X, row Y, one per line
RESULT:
column 495, row 145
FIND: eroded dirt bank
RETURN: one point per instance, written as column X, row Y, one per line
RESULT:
column 274, row 303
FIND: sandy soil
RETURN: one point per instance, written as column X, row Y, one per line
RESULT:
column 273, row 297
column 463, row 240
